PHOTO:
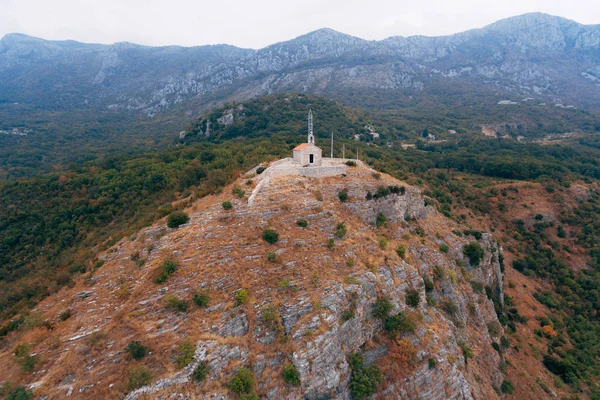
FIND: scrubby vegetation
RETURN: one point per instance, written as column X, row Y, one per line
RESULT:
column 168, row 268
column 474, row 252
column 177, row 218
column 136, row 350
column 290, row 375
column 364, row 381
column 270, row 236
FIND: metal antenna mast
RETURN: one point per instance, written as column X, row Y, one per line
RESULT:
column 331, row 144
column 311, row 136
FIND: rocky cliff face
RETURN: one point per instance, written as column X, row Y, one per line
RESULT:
column 534, row 55
column 311, row 300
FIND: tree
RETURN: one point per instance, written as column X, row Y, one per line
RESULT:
column 270, row 236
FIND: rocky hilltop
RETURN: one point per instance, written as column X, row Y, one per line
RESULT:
column 360, row 265
column 535, row 56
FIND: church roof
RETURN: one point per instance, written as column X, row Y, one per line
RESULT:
column 302, row 146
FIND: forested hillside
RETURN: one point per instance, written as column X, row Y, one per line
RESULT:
column 52, row 226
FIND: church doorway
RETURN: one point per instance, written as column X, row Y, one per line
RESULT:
column 311, row 159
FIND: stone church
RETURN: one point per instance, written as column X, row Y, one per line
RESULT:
column 308, row 154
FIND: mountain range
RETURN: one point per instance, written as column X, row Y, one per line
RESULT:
column 537, row 56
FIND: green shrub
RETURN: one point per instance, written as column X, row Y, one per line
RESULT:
column 444, row 248
column 64, row 315
column 167, row 269
column 429, row 286
column 174, row 303
column 380, row 220
column 270, row 236
column 450, row 307
column 467, row 352
column 474, row 251
column 507, row 387
column 227, row 205
column 177, row 218
column 343, row 195
column 432, row 362
column 23, row 357
column 238, row 191
column 382, row 307
column 260, row 170
column 290, row 375
column 383, row 243
column 302, row 223
column 364, row 381
column 139, row 377
column 136, row 350
column 18, row 393
column 242, row 381
column 413, row 298
column 241, row 297
column 200, row 372
column 330, row 243
column 398, row 323
column 351, row 163
column 271, row 257
column 401, row 251
column 185, row 354
column 201, row 298
column 340, row 230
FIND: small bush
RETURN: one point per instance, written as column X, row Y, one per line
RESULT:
column 382, row 307
column 201, row 298
column 302, row 223
column 238, row 191
column 167, row 269
column 340, row 230
column 429, row 286
column 185, row 354
column 65, row 315
column 270, row 236
column 290, row 375
column 343, row 195
column 432, row 362
column 136, row 350
column 450, row 307
column 383, row 243
column 18, row 393
column 177, row 218
column 139, row 377
column 399, row 323
column 364, row 381
column 444, row 248
column 351, row 163
column 380, row 220
column 227, row 205
column 200, row 372
column 271, row 257
column 413, row 298
column 174, row 303
column 330, row 243
column 23, row 357
column 401, row 251
column 507, row 387
column 474, row 251
column 241, row 297
column 242, row 382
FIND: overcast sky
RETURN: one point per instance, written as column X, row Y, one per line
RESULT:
column 257, row 23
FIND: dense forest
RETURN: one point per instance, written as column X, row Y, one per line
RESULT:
column 52, row 225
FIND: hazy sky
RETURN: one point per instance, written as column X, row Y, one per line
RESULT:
column 257, row 23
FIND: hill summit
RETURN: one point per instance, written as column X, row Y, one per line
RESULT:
column 335, row 287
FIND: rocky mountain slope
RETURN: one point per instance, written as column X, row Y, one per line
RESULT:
column 306, row 301
column 535, row 56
